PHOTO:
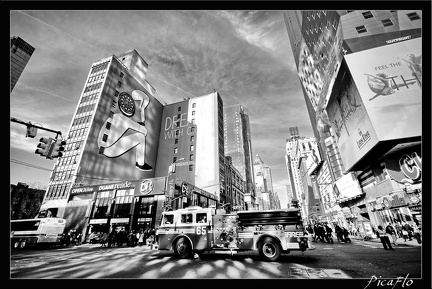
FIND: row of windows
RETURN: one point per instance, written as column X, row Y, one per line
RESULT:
column 77, row 132
column 67, row 160
column 60, row 176
column 311, row 14
column 96, row 77
column 386, row 22
column 89, row 97
column 86, row 108
column 81, row 120
column 99, row 67
column 57, row 192
column 93, row 87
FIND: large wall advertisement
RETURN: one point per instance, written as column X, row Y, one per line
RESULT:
column 355, row 134
column 123, row 138
column 389, row 79
column 176, row 137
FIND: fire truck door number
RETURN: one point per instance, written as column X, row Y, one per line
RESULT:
column 201, row 230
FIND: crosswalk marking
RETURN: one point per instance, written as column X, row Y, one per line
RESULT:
column 317, row 273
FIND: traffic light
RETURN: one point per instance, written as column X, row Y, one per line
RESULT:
column 56, row 149
column 44, row 146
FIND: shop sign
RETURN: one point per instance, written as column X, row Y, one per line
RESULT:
column 98, row 221
column 120, row 186
column 414, row 200
column 119, row 220
column 406, row 167
column 392, row 201
column 147, row 187
column 416, row 208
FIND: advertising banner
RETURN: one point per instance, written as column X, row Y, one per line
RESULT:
column 355, row 134
column 123, row 138
column 348, row 187
column 389, row 79
column 313, row 160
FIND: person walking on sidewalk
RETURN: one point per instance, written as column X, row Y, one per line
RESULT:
column 384, row 238
column 392, row 232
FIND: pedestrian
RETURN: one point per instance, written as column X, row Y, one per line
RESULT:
column 384, row 238
column 392, row 232
column 112, row 238
column 345, row 233
column 315, row 234
column 417, row 233
column 398, row 228
column 339, row 233
column 329, row 232
column 405, row 231
column 141, row 237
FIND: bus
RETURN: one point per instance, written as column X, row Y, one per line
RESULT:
column 39, row 231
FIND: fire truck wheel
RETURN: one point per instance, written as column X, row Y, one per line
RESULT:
column 269, row 249
column 182, row 248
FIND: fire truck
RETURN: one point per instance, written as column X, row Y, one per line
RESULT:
column 198, row 230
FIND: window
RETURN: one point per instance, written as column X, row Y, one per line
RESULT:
column 193, row 121
column 192, row 148
column 176, row 141
column 193, row 112
column 387, row 22
column 174, row 159
column 201, row 218
column 192, row 138
column 175, row 150
column 191, row 157
column 119, row 84
column 116, row 93
column 108, row 125
column 193, row 105
column 121, row 74
column 413, row 16
column 179, row 108
column 190, row 168
column 361, row 29
column 186, row 218
column 367, row 15
column 168, row 219
column 105, row 137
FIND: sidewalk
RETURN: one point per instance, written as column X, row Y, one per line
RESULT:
column 399, row 241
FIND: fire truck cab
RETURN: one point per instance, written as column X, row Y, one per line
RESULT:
column 196, row 230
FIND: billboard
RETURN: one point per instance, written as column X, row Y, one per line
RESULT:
column 354, row 132
column 123, row 138
column 389, row 79
column 313, row 159
column 348, row 187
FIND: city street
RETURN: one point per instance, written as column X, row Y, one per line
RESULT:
column 359, row 259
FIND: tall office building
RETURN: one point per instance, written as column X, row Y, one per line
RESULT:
column 21, row 52
column 238, row 145
column 126, row 153
column 361, row 75
column 299, row 149
column 265, row 199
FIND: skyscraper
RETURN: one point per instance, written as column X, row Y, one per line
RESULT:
column 238, row 145
column 361, row 75
column 21, row 52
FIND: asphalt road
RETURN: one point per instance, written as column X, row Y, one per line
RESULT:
column 359, row 259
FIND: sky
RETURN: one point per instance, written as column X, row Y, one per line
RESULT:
column 244, row 55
